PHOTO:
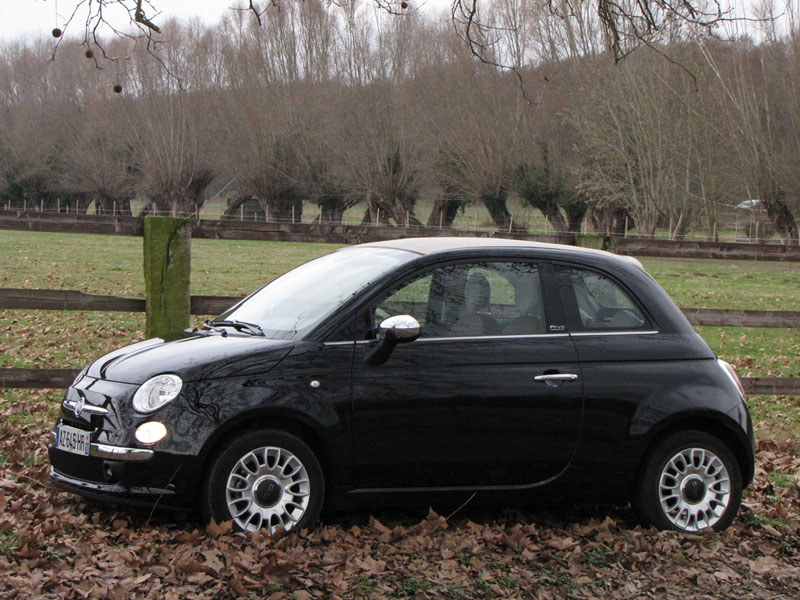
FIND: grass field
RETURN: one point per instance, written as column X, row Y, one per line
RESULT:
column 56, row 545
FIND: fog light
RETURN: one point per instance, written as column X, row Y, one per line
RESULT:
column 113, row 471
column 151, row 432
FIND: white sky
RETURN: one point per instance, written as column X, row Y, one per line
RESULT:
column 28, row 18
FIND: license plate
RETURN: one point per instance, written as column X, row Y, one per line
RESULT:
column 71, row 439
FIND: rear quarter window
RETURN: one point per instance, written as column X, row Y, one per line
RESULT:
column 599, row 303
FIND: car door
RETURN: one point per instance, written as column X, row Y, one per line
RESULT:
column 490, row 394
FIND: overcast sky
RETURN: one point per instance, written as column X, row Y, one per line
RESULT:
column 26, row 18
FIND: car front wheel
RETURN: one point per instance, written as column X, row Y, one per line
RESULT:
column 690, row 482
column 265, row 479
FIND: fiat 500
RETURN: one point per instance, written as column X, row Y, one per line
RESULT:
column 420, row 368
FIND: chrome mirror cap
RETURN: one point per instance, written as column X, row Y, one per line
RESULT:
column 400, row 329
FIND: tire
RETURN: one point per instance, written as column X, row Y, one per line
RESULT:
column 265, row 479
column 690, row 482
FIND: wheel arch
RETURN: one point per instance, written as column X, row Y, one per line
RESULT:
column 292, row 424
column 728, row 434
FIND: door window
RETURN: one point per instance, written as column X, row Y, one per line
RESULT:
column 468, row 300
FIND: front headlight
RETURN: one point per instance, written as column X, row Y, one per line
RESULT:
column 156, row 392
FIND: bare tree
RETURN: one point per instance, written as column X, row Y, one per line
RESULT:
column 624, row 24
column 639, row 154
column 761, row 84
column 169, row 133
column 475, row 119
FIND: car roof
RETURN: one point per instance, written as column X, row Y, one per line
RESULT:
column 434, row 245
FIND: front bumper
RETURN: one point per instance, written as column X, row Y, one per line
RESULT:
column 125, row 475
column 117, row 468
column 136, row 496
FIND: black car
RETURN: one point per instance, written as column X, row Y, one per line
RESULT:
column 420, row 367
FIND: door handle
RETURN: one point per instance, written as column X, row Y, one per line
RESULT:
column 556, row 378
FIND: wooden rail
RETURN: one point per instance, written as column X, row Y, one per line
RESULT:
column 771, row 386
column 725, row 317
column 37, row 378
column 354, row 234
column 34, row 299
column 62, row 378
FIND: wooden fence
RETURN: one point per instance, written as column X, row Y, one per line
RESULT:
column 355, row 234
column 35, row 299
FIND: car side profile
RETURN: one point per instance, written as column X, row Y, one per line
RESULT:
column 421, row 367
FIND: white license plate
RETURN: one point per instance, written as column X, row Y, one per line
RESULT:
column 71, row 439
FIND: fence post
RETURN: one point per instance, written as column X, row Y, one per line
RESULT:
column 167, row 270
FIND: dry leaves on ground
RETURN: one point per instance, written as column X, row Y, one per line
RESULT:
column 54, row 545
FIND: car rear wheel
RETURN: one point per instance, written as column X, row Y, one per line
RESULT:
column 265, row 479
column 691, row 482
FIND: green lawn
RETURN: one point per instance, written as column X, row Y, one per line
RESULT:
column 756, row 285
column 113, row 265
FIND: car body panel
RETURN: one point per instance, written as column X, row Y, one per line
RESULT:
column 459, row 413
column 441, row 414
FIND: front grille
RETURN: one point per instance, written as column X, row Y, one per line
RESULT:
column 85, row 468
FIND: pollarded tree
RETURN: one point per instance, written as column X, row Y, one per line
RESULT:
column 473, row 122
column 169, row 134
column 381, row 149
column 170, row 162
column 543, row 185
column 636, row 153
column 38, row 107
column 378, row 153
column 95, row 160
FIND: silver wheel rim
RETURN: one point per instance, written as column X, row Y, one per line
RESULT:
column 268, row 488
column 694, row 489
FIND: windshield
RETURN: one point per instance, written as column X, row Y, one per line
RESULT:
column 293, row 304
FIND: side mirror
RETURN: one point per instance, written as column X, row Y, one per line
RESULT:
column 400, row 329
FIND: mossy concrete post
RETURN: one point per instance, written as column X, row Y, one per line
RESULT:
column 167, row 270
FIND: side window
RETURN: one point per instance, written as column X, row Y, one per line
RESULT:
column 603, row 304
column 410, row 299
column 468, row 300
column 525, row 315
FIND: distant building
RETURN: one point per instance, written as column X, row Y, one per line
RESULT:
column 752, row 221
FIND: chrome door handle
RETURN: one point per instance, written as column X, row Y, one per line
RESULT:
column 556, row 377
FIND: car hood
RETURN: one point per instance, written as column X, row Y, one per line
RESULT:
column 194, row 358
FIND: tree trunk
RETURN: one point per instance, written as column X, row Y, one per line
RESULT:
column 496, row 205
column 378, row 212
column 148, row 209
column 106, row 204
column 576, row 213
column 332, row 213
column 623, row 222
column 234, row 207
column 406, row 216
column 553, row 216
column 285, row 208
column 444, row 212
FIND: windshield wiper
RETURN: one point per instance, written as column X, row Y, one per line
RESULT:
column 250, row 328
